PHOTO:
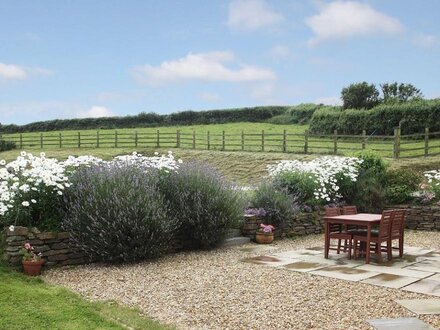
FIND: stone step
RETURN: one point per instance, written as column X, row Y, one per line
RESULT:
column 233, row 233
column 236, row 241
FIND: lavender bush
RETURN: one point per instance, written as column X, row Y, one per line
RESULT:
column 116, row 213
column 205, row 205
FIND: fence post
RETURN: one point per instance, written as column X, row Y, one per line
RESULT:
column 41, row 140
column 426, row 141
column 364, row 139
column 21, row 141
column 116, row 139
column 97, row 139
column 284, row 141
column 396, row 146
column 135, row 139
column 242, row 140
column 158, row 139
column 194, row 140
column 208, row 140
column 178, row 139
column 61, row 140
column 306, row 141
column 79, row 139
column 335, row 141
column 223, row 141
column 262, row 140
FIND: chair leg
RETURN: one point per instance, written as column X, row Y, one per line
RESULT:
column 401, row 247
column 389, row 251
column 339, row 246
column 355, row 249
column 349, row 249
column 379, row 252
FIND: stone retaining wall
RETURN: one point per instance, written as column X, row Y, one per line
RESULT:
column 301, row 224
column 55, row 247
column 421, row 217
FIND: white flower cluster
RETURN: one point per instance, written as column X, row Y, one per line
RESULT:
column 166, row 162
column 31, row 173
column 433, row 175
column 323, row 170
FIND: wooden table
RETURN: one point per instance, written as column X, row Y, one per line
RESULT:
column 361, row 219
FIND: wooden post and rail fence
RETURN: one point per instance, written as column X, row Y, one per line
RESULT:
column 396, row 145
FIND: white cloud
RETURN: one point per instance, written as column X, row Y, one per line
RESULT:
column 280, row 52
column 331, row 100
column 428, row 41
column 209, row 97
column 26, row 112
column 96, row 112
column 252, row 15
column 12, row 72
column 109, row 96
column 209, row 67
column 346, row 19
column 17, row 72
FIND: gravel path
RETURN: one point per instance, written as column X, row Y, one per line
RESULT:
column 215, row 290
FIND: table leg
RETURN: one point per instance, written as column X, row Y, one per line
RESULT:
column 327, row 239
column 367, row 253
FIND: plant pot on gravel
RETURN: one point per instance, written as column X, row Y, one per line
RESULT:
column 265, row 234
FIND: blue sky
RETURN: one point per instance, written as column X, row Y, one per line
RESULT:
column 68, row 59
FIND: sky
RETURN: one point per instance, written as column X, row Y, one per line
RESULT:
column 82, row 58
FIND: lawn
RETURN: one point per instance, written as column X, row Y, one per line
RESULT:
column 29, row 303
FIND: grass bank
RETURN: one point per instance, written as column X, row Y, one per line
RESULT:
column 29, row 303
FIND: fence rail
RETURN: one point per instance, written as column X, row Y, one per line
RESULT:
column 397, row 145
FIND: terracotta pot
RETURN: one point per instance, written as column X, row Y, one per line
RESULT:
column 32, row 268
column 263, row 238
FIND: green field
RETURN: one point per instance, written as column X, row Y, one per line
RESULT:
column 230, row 137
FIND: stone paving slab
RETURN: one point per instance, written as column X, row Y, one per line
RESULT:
column 409, row 323
column 258, row 248
column 269, row 261
column 421, row 306
column 390, row 280
column 304, row 266
column 348, row 273
column 427, row 266
column 426, row 286
column 396, row 271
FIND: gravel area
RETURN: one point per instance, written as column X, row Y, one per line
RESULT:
column 215, row 290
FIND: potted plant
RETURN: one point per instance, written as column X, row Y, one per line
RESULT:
column 32, row 261
column 264, row 235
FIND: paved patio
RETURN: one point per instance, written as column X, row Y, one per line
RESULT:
column 418, row 270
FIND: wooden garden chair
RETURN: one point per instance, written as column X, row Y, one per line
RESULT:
column 336, row 232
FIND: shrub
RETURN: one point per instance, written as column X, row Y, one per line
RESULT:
column 7, row 145
column 300, row 114
column 279, row 204
column 116, row 213
column 401, row 184
column 412, row 117
column 369, row 190
column 205, row 205
column 299, row 184
column 30, row 191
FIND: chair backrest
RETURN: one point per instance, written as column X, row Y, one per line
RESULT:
column 332, row 211
column 398, row 223
column 385, row 224
column 349, row 209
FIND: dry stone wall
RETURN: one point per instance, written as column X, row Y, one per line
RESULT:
column 55, row 247
column 421, row 217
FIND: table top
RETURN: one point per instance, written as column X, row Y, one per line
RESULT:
column 361, row 217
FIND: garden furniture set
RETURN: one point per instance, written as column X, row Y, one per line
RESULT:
column 356, row 230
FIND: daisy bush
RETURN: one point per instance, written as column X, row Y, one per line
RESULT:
column 323, row 178
column 32, row 187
